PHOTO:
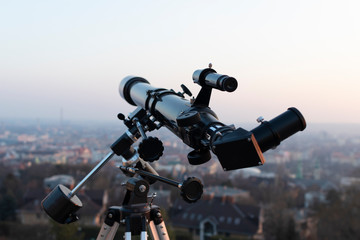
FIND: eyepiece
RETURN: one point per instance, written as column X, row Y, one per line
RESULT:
column 270, row 134
column 221, row 82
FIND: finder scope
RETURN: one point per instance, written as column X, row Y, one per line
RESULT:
column 209, row 77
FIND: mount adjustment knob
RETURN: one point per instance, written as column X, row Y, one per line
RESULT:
column 121, row 116
column 151, row 149
column 186, row 90
column 191, row 189
column 197, row 157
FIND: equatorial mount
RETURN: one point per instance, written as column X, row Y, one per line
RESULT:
column 61, row 203
column 191, row 189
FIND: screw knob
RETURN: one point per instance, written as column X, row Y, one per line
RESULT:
column 186, row 90
column 151, row 149
column 191, row 189
column 121, row 116
column 260, row 119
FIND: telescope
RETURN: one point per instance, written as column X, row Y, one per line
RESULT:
column 199, row 127
column 196, row 125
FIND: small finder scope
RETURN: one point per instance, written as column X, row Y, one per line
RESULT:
column 209, row 77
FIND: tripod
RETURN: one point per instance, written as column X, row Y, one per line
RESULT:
column 61, row 204
column 136, row 214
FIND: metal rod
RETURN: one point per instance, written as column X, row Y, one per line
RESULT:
column 95, row 170
column 148, row 174
column 140, row 128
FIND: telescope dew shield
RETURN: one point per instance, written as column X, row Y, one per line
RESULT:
column 162, row 103
column 125, row 86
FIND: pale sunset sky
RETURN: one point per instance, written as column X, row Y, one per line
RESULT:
column 72, row 55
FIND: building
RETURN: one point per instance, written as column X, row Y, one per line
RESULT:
column 53, row 181
column 94, row 203
column 220, row 191
column 213, row 216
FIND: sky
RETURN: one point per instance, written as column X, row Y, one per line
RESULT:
column 70, row 56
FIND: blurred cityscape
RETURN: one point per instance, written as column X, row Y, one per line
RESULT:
column 307, row 189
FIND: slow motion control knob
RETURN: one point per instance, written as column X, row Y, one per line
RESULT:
column 151, row 149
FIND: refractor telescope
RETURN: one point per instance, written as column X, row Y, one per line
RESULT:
column 199, row 127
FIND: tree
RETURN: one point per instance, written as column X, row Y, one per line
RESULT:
column 7, row 207
column 279, row 223
column 9, row 198
column 66, row 231
column 339, row 217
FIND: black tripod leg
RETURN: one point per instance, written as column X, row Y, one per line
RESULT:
column 143, row 234
column 132, row 224
column 127, row 228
